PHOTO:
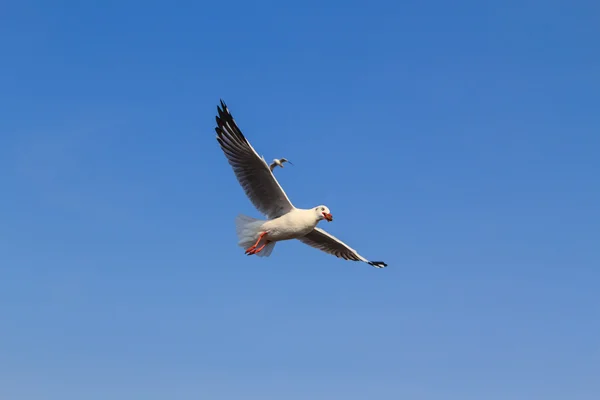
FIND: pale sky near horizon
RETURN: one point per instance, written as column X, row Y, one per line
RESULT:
column 456, row 141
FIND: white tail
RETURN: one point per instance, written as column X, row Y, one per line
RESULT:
column 266, row 252
column 248, row 229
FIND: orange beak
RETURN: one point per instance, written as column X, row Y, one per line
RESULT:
column 328, row 217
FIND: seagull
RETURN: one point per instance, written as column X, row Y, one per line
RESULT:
column 279, row 162
column 284, row 221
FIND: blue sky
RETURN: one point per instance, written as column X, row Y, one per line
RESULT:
column 457, row 141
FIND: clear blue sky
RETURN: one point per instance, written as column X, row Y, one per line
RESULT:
column 458, row 141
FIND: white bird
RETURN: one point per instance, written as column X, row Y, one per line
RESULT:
column 279, row 162
column 284, row 221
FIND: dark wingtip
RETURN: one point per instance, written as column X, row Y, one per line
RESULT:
column 378, row 264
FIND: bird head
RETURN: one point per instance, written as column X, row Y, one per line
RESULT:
column 323, row 213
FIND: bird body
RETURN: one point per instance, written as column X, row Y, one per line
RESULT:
column 284, row 221
column 291, row 225
column 278, row 162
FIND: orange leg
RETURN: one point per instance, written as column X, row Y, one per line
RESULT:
column 254, row 251
column 261, row 247
column 251, row 249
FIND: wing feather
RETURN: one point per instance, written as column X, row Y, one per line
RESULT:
column 328, row 243
column 251, row 170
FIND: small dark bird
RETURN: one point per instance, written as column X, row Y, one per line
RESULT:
column 278, row 162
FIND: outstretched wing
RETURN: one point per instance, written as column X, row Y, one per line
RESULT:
column 328, row 243
column 251, row 170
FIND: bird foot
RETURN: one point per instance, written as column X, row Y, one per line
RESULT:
column 252, row 249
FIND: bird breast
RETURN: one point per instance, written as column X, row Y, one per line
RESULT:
column 292, row 225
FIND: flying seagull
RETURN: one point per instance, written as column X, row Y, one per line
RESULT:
column 279, row 162
column 284, row 221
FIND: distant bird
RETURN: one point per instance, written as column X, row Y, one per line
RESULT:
column 284, row 221
column 278, row 162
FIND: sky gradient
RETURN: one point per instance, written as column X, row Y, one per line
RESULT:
column 457, row 141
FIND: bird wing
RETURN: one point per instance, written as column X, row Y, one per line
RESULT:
column 328, row 243
column 251, row 170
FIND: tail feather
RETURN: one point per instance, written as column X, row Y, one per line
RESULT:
column 268, row 249
column 248, row 230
